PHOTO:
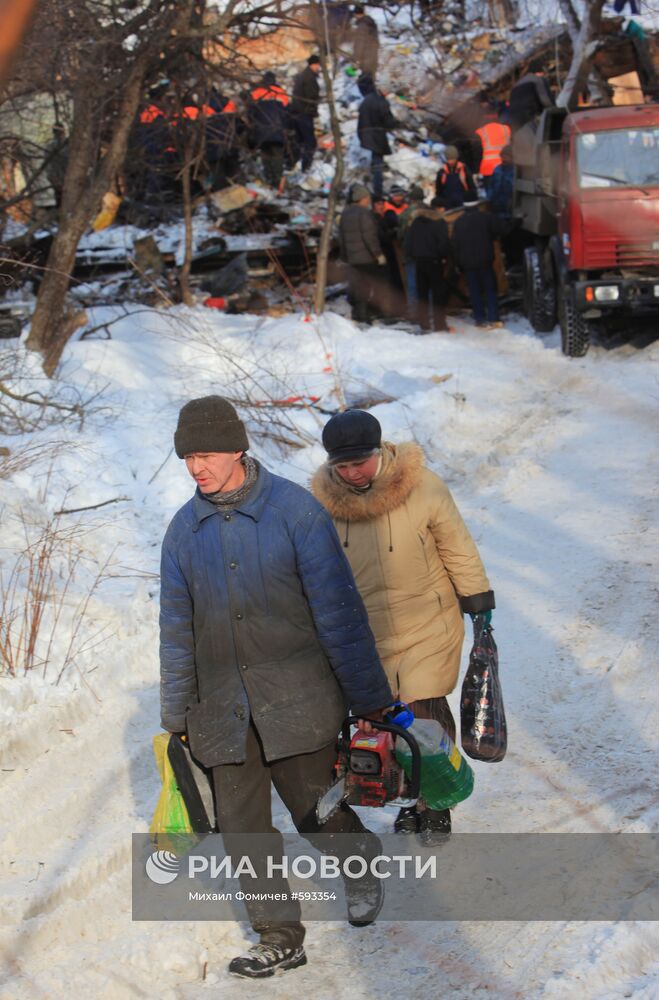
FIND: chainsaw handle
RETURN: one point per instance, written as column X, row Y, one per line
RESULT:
column 390, row 727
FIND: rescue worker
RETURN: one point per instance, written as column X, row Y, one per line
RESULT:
column 529, row 97
column 473, row 239
column 361, row 249
column 428, row 246
column 493, row 137
column 500, row 194
column 454, row 183
column 366, row 42
column 416, row 197
column 223, row 130
column 269, row 122
column 396, row 202
column 375, row 120
column 304, row 109
column 150, row 166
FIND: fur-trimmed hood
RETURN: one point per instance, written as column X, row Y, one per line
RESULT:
column 401, row 471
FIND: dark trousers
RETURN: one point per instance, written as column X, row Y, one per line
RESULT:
column 483, row 280
column 431, row 293
column 377, row 173
column 306, row 137
column 243, row 798
column 224, row 170
column 363, row 280
column 272, row 154
column 435, row 708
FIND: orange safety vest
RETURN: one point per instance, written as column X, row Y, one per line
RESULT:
column 273, row 93
column 229, row 108
column 192, row 112
column 459, row 170
column 389, row 207
column 150, row 113
column 493, row 137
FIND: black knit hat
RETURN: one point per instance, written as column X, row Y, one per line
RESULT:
column 351, row 435
column 209, row 424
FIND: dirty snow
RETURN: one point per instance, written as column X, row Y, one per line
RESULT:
column 552, row 463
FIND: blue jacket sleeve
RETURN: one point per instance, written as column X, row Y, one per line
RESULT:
column 178, row 677
column 339, row 614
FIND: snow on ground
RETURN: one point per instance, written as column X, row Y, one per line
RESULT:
column 551, row 462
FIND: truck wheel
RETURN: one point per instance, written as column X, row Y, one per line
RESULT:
column 539, row 295
column 575, row 333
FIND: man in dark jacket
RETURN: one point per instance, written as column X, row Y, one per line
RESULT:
column 269, row 121
column 375, row 120
column 304, row 109
column 473, row 250
column 361, row 249
column 427, row 243
column 264, row 643
column 366, row 43
column 223, row 129
column 529, row 97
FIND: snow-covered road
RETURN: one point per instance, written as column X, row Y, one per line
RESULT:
column 553, row 464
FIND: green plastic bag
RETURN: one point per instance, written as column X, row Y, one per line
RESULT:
column 171, row 815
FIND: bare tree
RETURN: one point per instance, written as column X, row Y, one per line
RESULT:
column 102, row 53
column 337, row 179
column 585, row 38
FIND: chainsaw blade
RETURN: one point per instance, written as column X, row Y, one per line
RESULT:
column 330, row 800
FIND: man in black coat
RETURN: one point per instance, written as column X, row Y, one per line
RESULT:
column 473, row 239
column 529, row 97
column 304, row 109
column 361, row 249
column 427, row 243
column 375, row 120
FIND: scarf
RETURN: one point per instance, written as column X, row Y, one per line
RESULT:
column 235, row 497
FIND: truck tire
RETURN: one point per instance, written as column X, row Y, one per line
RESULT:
column 539, row 295
column 575, row 332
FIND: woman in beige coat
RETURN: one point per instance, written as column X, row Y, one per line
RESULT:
column 416, row 565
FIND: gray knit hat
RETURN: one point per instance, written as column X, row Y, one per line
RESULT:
column 359, row 191
column 209, row 424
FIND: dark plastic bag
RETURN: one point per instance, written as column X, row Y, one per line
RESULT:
column 482, row 715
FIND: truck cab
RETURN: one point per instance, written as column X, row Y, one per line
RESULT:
column 587, row 192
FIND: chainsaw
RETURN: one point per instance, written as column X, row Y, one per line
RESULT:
column 367, row 772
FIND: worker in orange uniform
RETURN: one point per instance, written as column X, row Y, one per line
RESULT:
column 269, row 124
column 493, row 136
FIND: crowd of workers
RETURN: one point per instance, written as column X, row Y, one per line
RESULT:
column 401, row 260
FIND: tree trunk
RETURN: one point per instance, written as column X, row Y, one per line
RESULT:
column 585, row 43
column 184, row 274
column 326, row 235
column 87, row 178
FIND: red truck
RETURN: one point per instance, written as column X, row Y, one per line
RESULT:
column 587, row 194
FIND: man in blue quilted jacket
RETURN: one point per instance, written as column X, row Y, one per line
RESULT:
column 264, row 646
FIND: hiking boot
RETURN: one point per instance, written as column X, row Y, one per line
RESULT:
column 365, row 897
column 263, row 960
column 434, row 827
column 407, row 821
